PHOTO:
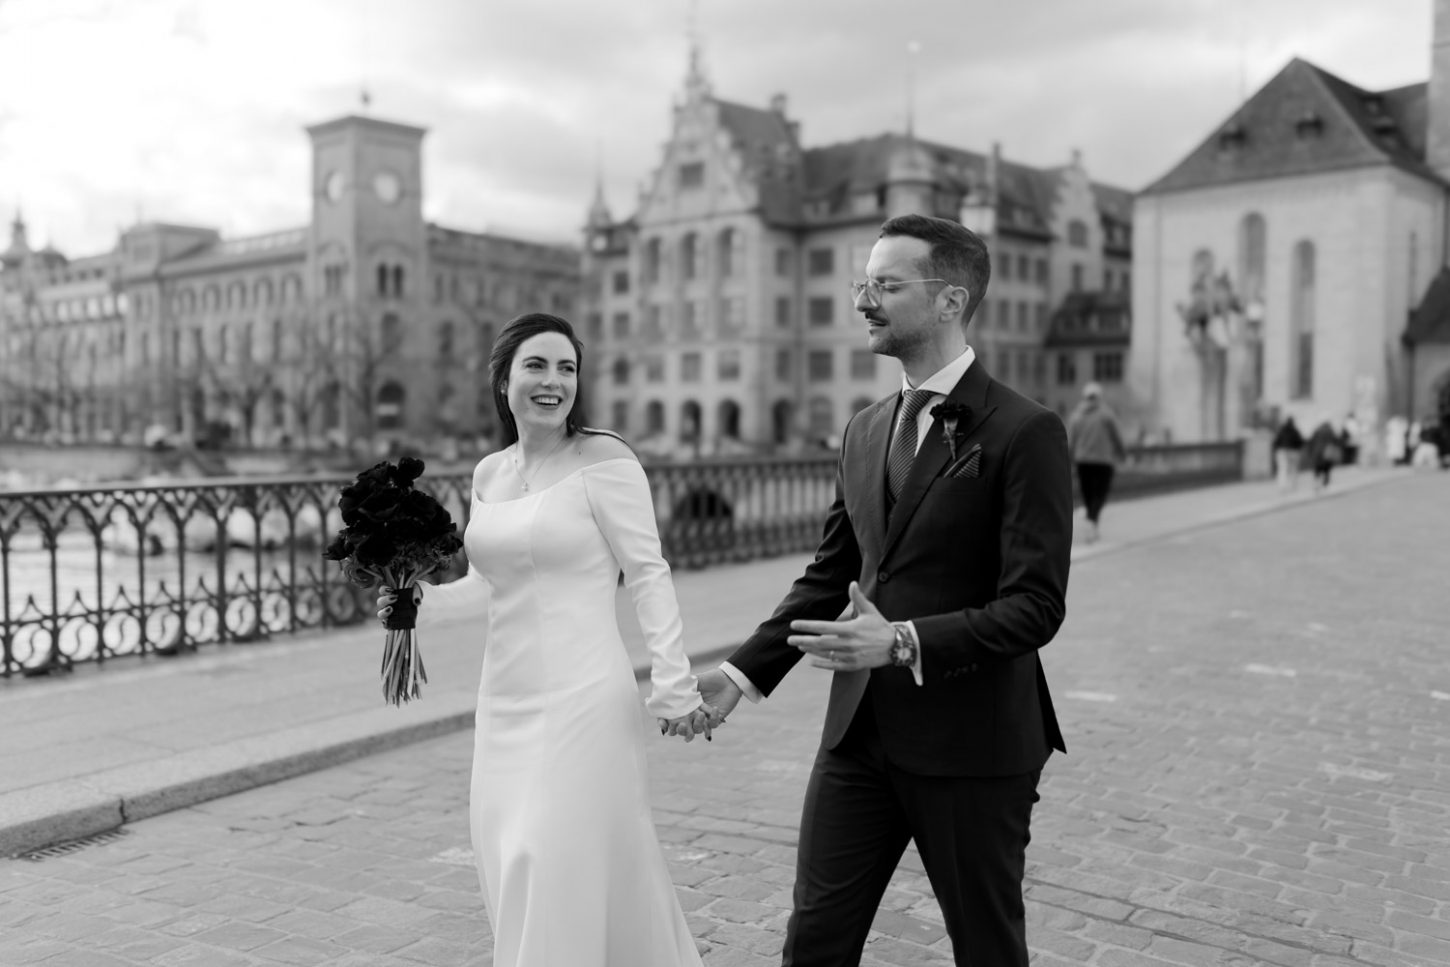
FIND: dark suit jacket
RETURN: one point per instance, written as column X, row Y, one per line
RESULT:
column 978, row 563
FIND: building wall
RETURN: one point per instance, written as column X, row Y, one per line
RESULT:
column 1359, row 222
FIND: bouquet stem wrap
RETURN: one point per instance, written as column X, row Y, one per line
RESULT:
column 402, row 672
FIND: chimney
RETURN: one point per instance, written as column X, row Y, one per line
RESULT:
column 1437, row 121
column 777, row 103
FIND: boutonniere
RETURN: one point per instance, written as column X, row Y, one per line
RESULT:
column 949, row 413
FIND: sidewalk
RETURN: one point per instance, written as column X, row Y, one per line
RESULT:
column 106, row 746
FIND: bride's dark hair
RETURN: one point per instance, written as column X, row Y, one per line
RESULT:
column 515, row 332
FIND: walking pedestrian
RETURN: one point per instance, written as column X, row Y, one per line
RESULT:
column 1325, row 450
column 1288, row 442
column 1097, row 449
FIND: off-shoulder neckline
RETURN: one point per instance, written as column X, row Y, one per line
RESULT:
column 543, row 490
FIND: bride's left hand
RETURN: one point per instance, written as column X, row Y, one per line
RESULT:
column 702, row 719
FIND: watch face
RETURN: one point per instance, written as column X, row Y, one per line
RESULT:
column 333, row 186
column 388, row 187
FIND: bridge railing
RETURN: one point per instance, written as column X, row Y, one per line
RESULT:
column 94, row 574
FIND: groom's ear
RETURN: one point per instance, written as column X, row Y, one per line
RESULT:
column 955, row 300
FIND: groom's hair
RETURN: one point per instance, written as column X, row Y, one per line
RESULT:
column 957, row 254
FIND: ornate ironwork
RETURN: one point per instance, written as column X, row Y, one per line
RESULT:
column 90, row 575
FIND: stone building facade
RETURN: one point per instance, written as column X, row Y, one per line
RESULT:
column 369, row 325
column 722, row 305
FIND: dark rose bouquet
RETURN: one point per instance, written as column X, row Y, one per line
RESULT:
column 393, row 535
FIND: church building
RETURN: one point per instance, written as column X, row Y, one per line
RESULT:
column 1295, row 261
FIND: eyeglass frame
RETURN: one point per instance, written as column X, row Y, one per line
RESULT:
column 874, row 290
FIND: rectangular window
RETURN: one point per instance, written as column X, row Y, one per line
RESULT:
column 692, row 174
column 1041, row 317
column 732, row 315
column 1042, row 275
column 690, row 368
column 620, row 325
column 1004, row 314
column 727, row 365
column 1076, row 277
column 1024, row 321
column 821, row 310
column 1108, row 367
column 821, row 261
column 653, row 323
column 1024, row 268
column 1006, row 267
column 1107, row 280
column 1066, row 369
column 782, row 312
column 784, row 262
column 820, row 366
column 863, row 364
column 621, row 416
column 621, row 282
column 654, row 369
column 784, row 365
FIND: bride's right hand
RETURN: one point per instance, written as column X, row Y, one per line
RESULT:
column 387, row 595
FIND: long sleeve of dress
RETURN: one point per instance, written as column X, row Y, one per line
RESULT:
column 620, row 500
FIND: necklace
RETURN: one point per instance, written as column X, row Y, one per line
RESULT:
column 526, row 480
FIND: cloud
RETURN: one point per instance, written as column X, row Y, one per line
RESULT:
column 195, row 110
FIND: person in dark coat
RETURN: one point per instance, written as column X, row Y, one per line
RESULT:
column 1325, row 450
column 1097, row 449
column 1288, row 442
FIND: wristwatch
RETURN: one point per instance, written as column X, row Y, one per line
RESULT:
column 903, row 649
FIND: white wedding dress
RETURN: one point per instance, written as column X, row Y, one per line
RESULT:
column 572, row 871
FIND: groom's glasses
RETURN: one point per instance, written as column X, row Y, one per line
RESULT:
column 873, row 290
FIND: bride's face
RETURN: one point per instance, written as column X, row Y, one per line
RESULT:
column 543, row 381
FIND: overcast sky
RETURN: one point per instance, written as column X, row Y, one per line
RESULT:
column 192, row 110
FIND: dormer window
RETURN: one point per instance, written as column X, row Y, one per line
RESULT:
column 1309, row 125
column 1232, row 137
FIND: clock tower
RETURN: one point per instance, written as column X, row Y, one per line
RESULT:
column 367, row 261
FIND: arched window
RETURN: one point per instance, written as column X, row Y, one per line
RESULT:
column 725, row 247
column 276, row 340
column 262, row 294
column 391, row 399
column 688, row 255
column 397, row 281
column 1253, row 258
column 690, row 420
column 222, row 344
column 654, row 417
column 1301, row 322
column 382, row 280
column 782, row 415
column 621, row 372
column 728, row 419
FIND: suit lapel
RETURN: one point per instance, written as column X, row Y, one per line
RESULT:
column 935, row 453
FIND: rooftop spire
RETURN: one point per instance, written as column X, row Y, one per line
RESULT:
column 695, row 79
column 912, row 49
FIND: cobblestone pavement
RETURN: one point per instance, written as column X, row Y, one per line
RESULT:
column 1258, row 719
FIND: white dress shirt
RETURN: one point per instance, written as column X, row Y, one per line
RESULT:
column 942, row 382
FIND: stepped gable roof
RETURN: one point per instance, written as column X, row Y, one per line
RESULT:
column 765, row 138
column 1306, row 120
column 1430, row 321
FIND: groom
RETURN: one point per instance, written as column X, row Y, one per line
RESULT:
column 949, row 539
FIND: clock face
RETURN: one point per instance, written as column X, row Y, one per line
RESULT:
column 389, row 189
column 333, row 186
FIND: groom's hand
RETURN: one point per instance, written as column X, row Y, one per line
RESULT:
column 849, row 644
column 719, row 691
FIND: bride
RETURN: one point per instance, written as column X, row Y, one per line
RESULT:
column 571, row 868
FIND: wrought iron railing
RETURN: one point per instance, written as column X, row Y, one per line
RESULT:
column 88, row 575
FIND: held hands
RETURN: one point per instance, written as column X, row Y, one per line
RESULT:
column 388, row 596
column 704, row 719
column 851, row 644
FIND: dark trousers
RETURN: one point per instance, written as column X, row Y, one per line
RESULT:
column 860, row 813
column 1094, row 480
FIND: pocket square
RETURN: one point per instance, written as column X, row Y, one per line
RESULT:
column 969, row 465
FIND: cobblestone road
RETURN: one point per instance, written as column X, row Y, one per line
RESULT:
column 1258, row 719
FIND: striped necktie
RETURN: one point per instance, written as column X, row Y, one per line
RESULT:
column 903, row 443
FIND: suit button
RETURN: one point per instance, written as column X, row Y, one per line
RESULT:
column 882, row 576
